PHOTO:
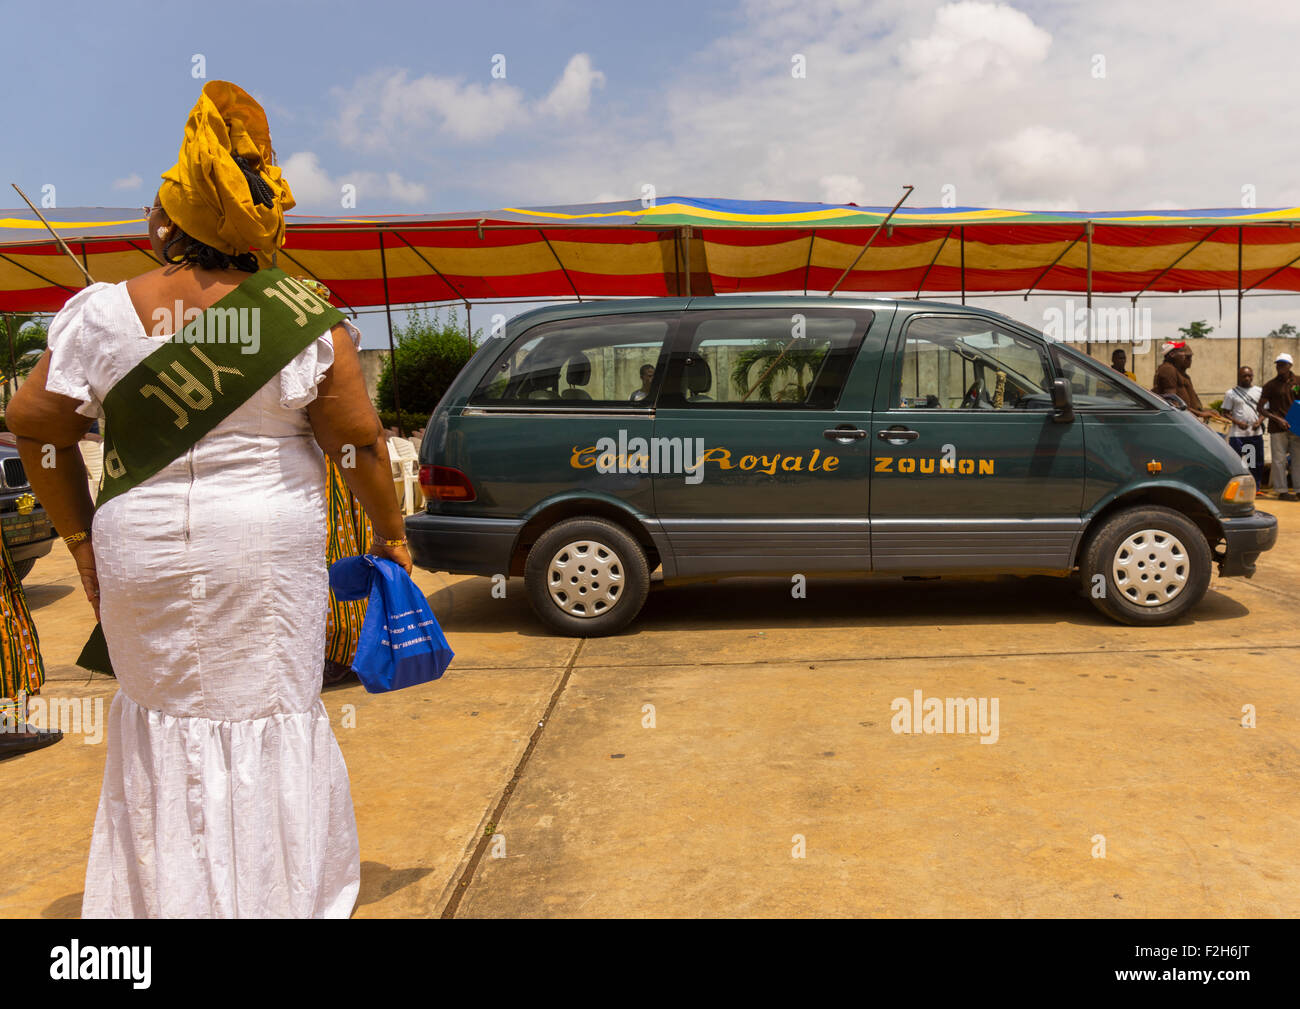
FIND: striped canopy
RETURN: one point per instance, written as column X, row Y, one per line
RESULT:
column 683, row 245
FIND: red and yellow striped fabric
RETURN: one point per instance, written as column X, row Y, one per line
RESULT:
column 726, row 246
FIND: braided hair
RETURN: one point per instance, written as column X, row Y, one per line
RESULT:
column 191, row 250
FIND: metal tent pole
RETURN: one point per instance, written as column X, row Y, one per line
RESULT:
column 907, row 191
column 961, row 237
column 686, row 256
column 13, row 361
column 392, row 351
column 1239, row 295
column 1088, row 233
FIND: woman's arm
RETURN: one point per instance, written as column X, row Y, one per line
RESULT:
column 348, row 431
column 48, row 428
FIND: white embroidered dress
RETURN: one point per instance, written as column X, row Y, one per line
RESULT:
column 225, row 793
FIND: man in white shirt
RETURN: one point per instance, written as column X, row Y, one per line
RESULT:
column 1241, row 406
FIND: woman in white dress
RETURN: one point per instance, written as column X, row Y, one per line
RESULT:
column 224, row 793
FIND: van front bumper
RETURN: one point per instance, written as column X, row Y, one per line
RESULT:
column 461, row 545
column 1244, row 539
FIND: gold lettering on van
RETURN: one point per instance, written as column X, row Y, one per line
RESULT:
column 930, row 466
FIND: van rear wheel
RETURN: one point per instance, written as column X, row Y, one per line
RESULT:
column 586, row 577
column 1146, row 566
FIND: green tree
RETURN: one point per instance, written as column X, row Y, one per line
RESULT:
column 430, row 353
column 1286, row 329
column 770, row 362
column 1196, row 329
column 30, row 333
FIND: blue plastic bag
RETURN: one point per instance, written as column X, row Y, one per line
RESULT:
column 401, row 644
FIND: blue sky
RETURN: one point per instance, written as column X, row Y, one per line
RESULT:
column 1003, row 103
column 115, row 103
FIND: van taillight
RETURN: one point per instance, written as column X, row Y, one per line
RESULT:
column 442, row 483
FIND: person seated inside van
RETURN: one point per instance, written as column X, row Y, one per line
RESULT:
column 647, row 377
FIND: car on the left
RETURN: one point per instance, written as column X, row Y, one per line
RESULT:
column 27, row 530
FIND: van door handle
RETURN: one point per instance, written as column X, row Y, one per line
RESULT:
column 844, row 434
column 897, row 435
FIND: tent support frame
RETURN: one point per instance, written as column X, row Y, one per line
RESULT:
column 52, row 283
column 907, row 191
column 313, row 276
column 572, row 285
column 1205, row 238
column 392, row 351
column 937, row 253
column 1051, row 266
column 450, row 286
column 1088, row 234
column 1239, row 295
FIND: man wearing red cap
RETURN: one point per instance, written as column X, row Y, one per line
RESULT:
column 1172, row 378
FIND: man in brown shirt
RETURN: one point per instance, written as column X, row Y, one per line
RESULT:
column 1172, row 378
column 1276, row 399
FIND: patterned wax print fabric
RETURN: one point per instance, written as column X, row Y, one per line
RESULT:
column 349, row 536
column 21, row 667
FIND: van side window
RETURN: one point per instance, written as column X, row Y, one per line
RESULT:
column 970, row 363
column 1093, row 387
column 763, row 359
column 611, row 360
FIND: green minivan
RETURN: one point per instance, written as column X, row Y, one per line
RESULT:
column 590, row 444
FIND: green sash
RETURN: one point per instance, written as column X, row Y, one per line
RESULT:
column 160, row 409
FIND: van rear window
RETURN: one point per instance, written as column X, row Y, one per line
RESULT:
column 602, row 361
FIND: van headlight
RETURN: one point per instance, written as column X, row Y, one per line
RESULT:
column 1240, row 491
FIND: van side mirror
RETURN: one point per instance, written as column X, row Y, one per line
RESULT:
column 1174, row 400
column 1062, row 402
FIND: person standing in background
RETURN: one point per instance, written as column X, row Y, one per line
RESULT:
column 1172, row 379
column 1119, row 362
column 1241, row 406
column 1275, row 400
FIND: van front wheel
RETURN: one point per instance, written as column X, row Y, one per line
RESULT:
column 586, row 577
column 1146, row 566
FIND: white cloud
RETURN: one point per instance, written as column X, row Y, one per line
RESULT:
column 842, row 189
column 388, row 110
column 973, row 41
column 571, row 94
column 1042, row 162
column 316, row 190
column 403, row 191
column 309, row 182
column 132, row 181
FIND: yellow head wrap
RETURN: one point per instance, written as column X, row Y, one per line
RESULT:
column 208, row 194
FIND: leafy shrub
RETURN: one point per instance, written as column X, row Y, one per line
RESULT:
column 430, row 354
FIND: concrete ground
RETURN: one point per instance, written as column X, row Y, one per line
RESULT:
column 732, row 754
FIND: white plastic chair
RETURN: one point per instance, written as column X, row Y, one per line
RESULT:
column 405, row 461
column 92, row 453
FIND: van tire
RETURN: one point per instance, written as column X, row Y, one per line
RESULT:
column 613, row 552
column 1176, row 539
